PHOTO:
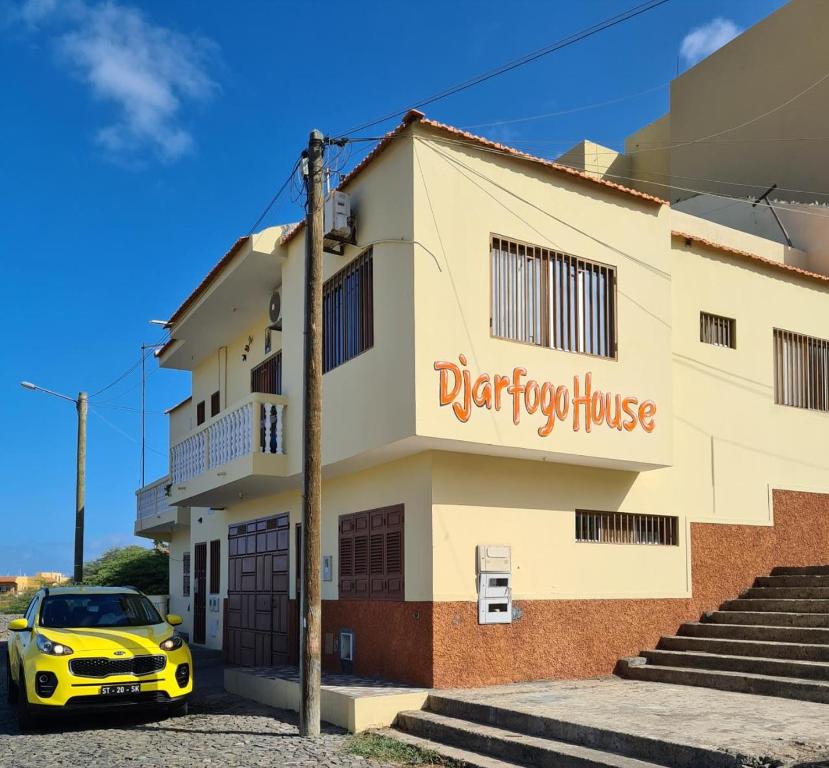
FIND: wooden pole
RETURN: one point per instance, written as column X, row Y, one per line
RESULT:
column 311, row 618
column 80, row 486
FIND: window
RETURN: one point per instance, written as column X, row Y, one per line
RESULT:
column 626, row 528
column 552, row 299
column 801, row 371
column 185, row 574
column 200, row 413
column 215, row 403
column 266, row 378
column 348, row 313
column 215, row 566
column 717, row 330
column 104, row 611
column 371, row 555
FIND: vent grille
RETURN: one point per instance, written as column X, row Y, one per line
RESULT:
column 801, row 370
column 717, row 330
column 101, row 667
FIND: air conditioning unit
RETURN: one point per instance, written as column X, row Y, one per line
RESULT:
column 275, row 311
column 337, row 216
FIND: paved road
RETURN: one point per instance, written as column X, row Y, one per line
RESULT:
column 221, row 730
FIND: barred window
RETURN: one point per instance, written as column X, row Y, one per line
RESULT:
column 348, row 312
column 266, row 378
column 626, row 528
column 371, row 554
column 717, row 330
column 185, row 574
column 801, row 370
column 552, row 299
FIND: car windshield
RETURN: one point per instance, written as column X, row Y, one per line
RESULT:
column 101, row 610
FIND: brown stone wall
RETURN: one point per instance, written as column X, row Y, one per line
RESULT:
column 584, row 638
column 392, row 640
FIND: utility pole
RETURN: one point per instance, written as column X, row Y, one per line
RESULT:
column 80, row 487
column 81, row 404
column 311, row 618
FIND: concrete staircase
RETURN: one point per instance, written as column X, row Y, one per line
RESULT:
column 773, row 641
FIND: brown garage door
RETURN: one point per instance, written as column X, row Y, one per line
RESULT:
column 257, row 592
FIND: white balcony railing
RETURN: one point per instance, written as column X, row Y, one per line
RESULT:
column 254, row 424
column 152, row 499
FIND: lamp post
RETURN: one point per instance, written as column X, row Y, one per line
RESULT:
column 81, row 403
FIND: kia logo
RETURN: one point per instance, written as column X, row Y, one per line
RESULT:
column 120, row 653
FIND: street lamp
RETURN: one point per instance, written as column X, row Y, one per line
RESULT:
column 81, row 403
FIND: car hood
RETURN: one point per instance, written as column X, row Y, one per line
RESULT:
column 133, row 640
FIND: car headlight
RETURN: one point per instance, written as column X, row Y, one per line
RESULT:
column 45, row 645
column 171, row 643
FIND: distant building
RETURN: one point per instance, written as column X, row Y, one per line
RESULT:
column 8, row 584
column 40, row 579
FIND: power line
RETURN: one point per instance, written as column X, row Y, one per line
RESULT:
column 122, row 432
column 519, row 62
column 569, row 111
column 126, row 373
column 274, row 198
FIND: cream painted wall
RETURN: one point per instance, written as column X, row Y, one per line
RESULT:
column 466, row 188
column 179, row 544
column 649, row 158
column 406, row 482
column 530, row 505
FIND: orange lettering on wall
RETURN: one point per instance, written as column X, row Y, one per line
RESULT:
column 627, row 406
column 516, row 389
column 548, row 408
column 579, row 400
column 614, row 421
column 532, row 396
column 482, row 391
column 646, row 413
column 501, row 383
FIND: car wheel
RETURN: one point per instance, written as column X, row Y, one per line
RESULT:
column 11, row 688
column 25, row 718
column 180, row 709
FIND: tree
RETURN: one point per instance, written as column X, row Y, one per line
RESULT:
column 133, row 566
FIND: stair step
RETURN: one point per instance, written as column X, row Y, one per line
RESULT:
column 738, row 682
column 771, row 634
column 459, row 756
column 809, row 670
column 768, row 618
column 784, row 593
column 517, row 748
column 801, row 570
column 778, row 605
column 761, row 649
column 821, row 580
column 662, row 750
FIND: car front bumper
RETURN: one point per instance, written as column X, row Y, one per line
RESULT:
column 77, row 692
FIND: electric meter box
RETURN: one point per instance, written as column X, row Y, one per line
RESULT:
column 337, row 215
column 494, row 558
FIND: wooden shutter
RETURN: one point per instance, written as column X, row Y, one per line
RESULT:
column 371, row 555
column 215, row 566
column 215, row 403
column 200, row 413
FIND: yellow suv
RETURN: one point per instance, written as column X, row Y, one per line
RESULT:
column 95, row 647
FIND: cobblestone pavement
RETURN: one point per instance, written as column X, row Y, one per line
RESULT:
column 221, row 730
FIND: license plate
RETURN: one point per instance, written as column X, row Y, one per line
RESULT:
column 120, row 690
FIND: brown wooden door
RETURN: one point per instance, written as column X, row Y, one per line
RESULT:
column 257, row 593
column 200, row 594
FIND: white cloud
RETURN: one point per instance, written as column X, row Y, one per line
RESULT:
column 703, row 41
column 148, row 72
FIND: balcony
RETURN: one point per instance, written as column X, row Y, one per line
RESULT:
column 155, row 518
column 233, row 453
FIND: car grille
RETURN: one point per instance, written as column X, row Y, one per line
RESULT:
column 100, row 667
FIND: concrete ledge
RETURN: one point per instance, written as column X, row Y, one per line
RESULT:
column 353, row 703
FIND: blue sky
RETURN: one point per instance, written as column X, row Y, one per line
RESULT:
column 140, row 139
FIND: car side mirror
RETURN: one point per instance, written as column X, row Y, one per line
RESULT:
column 19, row 625
column 173, row 619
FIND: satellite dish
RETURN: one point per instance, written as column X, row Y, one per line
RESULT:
column 275, row 311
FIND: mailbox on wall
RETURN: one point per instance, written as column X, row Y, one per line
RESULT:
column 494, row 584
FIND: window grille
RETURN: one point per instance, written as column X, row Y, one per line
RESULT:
column 266, row 378
column 348, row 312
column 717, row 330
column 552, row 299
column 801, row 370
column 626, row 528
column 185, row 574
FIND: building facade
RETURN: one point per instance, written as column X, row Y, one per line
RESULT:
column 559, row 419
